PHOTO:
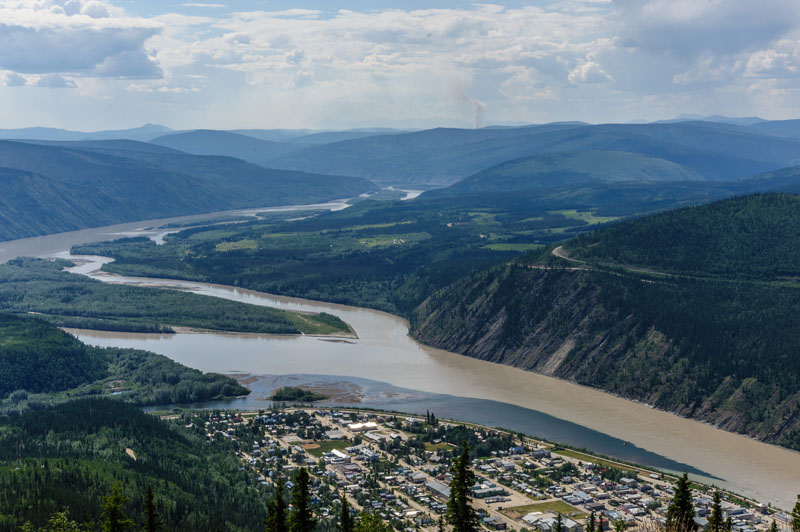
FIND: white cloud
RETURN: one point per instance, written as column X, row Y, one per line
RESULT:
column 80, row 39
column 55, row 81
column 553, row 60
column 12, row 79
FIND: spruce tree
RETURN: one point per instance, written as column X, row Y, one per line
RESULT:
column 440, row 524
column 301, row 518
column 460, row 513
column 276, row 510
column 680, row 514
column 728, row 524
column 153, row 521
column 559, row 523
column 370, row 522
column 796, row 516
column 715, row 522
column 592, row 523
column 114, row 519
column 346, row 523
column 773, row 527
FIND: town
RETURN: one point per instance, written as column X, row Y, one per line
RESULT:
column 398, row 467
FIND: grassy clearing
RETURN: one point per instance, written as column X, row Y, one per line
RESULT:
column 329, row 445
column 438, row 446
column 247, row 243
column 513, row 247
column 586, row 216
column 556, row 507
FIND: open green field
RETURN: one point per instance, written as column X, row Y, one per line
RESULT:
column 556, row 507
column 438, row 446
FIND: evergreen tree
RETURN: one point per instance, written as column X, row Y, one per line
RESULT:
column 715, row 522
column 440, row 524
column 276, row 509
column 460, row 513
column 58, row 522
column 346, row 523
column 773, row 527
column 113, row 514
column 301, row 518
column 153, row 521
column 796, row 516
column 559, row 523
column 590, row 525
column 728, row 524
column 680, row 514
column 370, row 522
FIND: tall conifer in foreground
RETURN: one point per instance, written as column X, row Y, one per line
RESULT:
column 301, row 518
column 460, row 513
column 114, row 519
column 276, row 510
column 153, row 521
column 346, row 521
column 715, row 522
column 796, row 516
column 680, row 514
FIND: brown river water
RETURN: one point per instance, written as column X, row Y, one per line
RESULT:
column 384, row 352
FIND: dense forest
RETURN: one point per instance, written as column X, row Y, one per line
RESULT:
column 42, row 365
column 745, row 237
column 70, row 456
column 714, row 342
column 718, row 344
column 36, row 286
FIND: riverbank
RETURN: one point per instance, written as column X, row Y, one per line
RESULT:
column 385, row 353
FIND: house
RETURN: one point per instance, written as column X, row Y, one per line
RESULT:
column 438, row 489
column 363, row 427
column 335, row 434
column 495, row 522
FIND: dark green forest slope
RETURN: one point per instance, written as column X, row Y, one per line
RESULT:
column 71, row 455
column 40, row 287
column 53, row 187
column 718, row 344
column 42, row 365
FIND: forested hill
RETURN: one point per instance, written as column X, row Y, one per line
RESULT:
column 54, row 187
column 37, row 357
column 752, row 236
column 717, row 342
column 570, row 168
column 42, row 365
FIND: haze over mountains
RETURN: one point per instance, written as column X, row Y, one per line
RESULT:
column 60, row 180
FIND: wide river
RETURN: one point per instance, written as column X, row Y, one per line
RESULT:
column 414, row 377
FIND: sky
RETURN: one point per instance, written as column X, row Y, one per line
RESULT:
column 338, row 64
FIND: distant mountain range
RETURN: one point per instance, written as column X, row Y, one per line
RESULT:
column 59, row 186
column 153, row 171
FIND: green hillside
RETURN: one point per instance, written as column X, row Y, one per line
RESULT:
column 72, row 454
column 749, row 236
column 444, row 156
column 66, row 186
column 209, row 142
column 42, row 365
column 37, row 357
column 571, row 168
column 37, row 286
column 717, row 342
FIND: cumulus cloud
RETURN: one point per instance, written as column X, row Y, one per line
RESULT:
column 55, row 81
column 550, row 60
column 12, row 79
column 588, row 71
column 74, row 37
